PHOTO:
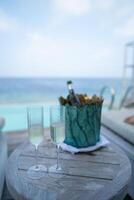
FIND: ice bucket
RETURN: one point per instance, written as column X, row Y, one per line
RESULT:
column 82, row 125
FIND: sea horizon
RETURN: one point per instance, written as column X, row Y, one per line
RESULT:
column 24, row 90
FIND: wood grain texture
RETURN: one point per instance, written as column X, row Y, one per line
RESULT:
column 102, row 174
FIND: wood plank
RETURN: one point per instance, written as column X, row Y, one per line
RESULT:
column 65, row 181
column 103, row 157
column 104, row 171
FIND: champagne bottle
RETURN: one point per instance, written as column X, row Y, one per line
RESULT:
column 72, row 97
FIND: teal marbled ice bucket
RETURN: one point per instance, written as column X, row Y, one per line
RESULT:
column 82, row 125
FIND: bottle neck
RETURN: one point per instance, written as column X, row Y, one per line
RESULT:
column 72, row 96
column 70, row 89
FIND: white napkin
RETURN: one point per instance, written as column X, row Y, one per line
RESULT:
column 102, row 143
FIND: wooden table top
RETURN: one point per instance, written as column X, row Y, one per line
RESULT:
column 102, row 174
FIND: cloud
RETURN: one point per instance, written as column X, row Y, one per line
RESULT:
column 104, row 5
column 40, row 50
column 35, row 37
column 73, row 7
column 102, row 53
column 41, row 55
column 47, row 56
column 127, row 29
column 125, row 11
column 6, row 22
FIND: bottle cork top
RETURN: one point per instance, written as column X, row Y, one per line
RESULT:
column 69, row 82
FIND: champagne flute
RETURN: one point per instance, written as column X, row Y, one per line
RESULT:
column 35, row 131
column 57, row 128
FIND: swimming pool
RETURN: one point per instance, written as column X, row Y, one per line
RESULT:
column 16, row 116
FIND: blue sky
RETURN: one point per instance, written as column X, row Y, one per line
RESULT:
column 64, row 37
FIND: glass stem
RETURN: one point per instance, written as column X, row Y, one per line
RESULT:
column 36, row 157
column 57, row 155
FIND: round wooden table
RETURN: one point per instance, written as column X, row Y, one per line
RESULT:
column 102, row 174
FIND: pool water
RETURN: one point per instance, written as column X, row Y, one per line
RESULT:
column 16, row 117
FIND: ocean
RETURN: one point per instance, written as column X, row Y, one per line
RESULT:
column 17, row 93
column 35, row 90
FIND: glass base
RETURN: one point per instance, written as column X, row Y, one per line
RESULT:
column 56, row 172
column 36, row 171
column 54, row 168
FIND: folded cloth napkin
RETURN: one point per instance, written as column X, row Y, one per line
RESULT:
column 102, row 143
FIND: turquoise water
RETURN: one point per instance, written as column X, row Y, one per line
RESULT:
column 16, row 117
column 16, row 94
